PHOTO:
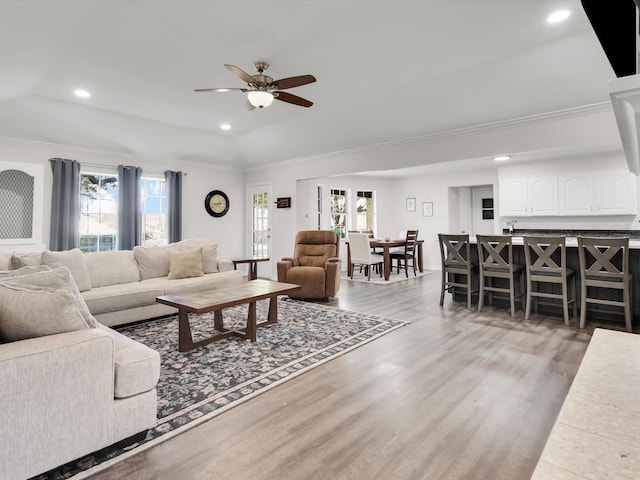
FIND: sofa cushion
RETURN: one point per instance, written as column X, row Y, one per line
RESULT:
column 8, row 274
column 185, row 263
column 112, row 267
column 152, row 261
column 60, row 278
column 121, row 296
column 137, row 367
column 209, row 252
column 5, row 261
column 74, row 261
column 25, row 259
column 312, row 280
column 28, row 311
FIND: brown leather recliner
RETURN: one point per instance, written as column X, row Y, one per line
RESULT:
column 315, row 264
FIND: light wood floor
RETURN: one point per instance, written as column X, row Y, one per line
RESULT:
column 454, row 395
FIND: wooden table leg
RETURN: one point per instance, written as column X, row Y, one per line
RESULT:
column 251, row 322
column 218, row 322
column 420, row 264
column 185, row 340
column 387, row 262
column 253, row 270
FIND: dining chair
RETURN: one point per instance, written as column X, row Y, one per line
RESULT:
column 604, row 264
column 546, row 262
column 407, row 257
column 360, row 254
column 495, row 258
column 455, row 256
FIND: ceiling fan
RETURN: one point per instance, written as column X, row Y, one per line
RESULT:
column 262, row 89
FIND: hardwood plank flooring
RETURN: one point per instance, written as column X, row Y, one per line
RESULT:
column 456, row 394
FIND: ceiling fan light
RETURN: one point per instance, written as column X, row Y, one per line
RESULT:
column 260, row 99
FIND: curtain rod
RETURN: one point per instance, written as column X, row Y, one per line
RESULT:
column 99, row 165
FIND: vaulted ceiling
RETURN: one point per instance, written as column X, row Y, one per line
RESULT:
column 386, row 71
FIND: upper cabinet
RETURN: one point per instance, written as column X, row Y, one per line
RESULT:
column 598, row 193
column 528, row 196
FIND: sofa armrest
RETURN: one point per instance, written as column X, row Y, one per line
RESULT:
column 225, row 265
column 332, row 278
column 57, row 386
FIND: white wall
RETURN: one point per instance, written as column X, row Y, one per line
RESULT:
column 228, row 231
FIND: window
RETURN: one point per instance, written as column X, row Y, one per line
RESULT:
column 365, row 211
column 99, row 212
column 338, row 212
column 98, row 224
column 154, row 212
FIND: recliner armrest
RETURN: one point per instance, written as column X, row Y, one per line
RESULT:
column 284, row 265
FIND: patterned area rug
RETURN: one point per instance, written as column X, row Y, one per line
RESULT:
column 198, row 385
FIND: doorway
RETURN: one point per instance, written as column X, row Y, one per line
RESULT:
column 259, row 227
column 482, row 209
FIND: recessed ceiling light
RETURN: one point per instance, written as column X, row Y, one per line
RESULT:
column 501, row 158
column 558, row 16
column 225, row 126
column 81, row 93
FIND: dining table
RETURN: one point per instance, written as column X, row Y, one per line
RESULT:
column 386, row 246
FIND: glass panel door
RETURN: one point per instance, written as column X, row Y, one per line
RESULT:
column 259, row 238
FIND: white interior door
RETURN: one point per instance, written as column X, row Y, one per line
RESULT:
column 259, row 204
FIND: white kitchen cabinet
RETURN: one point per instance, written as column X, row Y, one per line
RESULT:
column 598, row 193
column 528, row 196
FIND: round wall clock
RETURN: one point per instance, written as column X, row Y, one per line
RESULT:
column 216, row 203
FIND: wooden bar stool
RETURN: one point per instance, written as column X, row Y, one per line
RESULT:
column 541, row 254
column 455, row 256
column 495, row 257
column 604, row 263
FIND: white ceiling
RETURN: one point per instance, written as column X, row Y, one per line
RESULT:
column 386, row 70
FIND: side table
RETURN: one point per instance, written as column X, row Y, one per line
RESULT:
column 253, row 264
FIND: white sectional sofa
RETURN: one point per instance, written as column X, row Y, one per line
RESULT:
column 69, row 385
column 121, row 286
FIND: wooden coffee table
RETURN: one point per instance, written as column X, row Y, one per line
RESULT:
column 218, row 299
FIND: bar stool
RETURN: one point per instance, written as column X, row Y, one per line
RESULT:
column 542, row 267
column 495, row 257
column 455, row 256
column 604, row 263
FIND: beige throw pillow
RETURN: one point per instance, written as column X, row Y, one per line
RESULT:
column 30, row 310
column 185, row 263
column 11, row 274
column 29, row 259
column 58, row 278
column 74, row 261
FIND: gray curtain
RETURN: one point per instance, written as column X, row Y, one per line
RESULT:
column 173, row 182
column 129, row 207
column 65, row 204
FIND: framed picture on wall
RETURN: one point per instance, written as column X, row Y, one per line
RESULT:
column 410, row 204
column 427, row 209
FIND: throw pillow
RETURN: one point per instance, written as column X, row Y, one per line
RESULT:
column 10, row 274
column 153, row 262
column 59, row 278
column 74, row 261
column 209, row 252
column 30, row 259
column 29, row 311
column 185, row 263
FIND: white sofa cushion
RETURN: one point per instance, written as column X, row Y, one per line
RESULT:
column 137, row 367
column 112, row 267
column 5, row 261
column 74, row 261
column 61, row 278
column 28, row 311
column 9, row 274
column 152, row 261
column 209, row 252
column 25, row 259
column 122, row 296
column 185, row 263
